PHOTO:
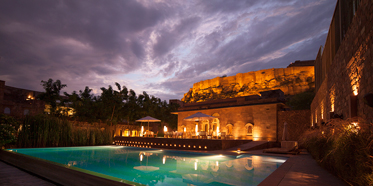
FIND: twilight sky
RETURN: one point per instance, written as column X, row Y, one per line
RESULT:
column 158, row 46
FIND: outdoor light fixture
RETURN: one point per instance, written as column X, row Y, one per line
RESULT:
column 184, row 129
column 165, row 129
column 239, row 150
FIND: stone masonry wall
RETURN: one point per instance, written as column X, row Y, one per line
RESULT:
column 297, row 123
column 262, row 117
column 351, row 70
column 291, row 80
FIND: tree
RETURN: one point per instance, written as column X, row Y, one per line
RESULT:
column 301, row 101
column 8, row 129
column 52, row 94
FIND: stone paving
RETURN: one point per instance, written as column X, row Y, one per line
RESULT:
column 12, row 176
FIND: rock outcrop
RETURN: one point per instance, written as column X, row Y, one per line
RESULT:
column 291, row 80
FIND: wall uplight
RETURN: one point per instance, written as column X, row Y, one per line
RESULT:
column 355, row 90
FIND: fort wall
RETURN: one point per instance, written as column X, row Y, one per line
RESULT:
column 291, row 80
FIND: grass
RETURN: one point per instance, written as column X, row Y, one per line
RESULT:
column 344, row 149
column 47, row 131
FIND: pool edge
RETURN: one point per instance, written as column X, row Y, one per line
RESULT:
column 55, row 173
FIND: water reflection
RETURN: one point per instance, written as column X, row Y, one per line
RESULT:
column 156, row 167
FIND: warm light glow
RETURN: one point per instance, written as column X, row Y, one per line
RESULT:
column 197, row 129
column 217, row 131
column 184, row 129
column 195, row 165
column 238, row 150
column 165, row 129
column 142, row 130
column 355, row 92
column 217, row 163
column 164, row 159
column 141, row 157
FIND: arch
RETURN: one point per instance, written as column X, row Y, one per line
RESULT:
column 7, row 110
column 249, row 129
column 215, row 115
column 205, row 125
column 26, row 112
column 215, row 127
column 229, row 129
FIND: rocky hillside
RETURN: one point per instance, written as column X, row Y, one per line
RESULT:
column 291, row 80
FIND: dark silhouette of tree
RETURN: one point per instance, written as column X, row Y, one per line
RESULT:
column 52, row 94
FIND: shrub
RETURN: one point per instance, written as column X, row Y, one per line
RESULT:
column 344, row 149
column 48, row 131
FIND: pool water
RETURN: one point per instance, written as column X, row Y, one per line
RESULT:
column 162, row 167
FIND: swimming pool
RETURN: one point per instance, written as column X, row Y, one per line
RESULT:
column 161, row 167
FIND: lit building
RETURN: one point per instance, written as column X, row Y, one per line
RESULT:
column 19, row 102
column 249, row 117
column 344, row 66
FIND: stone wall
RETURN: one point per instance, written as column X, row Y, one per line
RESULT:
column 351, row 71
column 19, row 102
column 297, row 123
column 262, row 117
column 291, row 80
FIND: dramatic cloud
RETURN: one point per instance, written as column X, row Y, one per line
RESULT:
column 161, row 47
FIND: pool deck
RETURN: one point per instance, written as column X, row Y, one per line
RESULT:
column 297, row 170
column 300, row 170
column 10, row 175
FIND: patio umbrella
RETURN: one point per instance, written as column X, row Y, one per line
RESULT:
column 198, row 117
column 148, row 119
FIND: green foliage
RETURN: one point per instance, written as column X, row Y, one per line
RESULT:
column 343, row 150
column 301, row 101
column 119, row 105
column 52, row 94
column 8, row 129
column 49, row 131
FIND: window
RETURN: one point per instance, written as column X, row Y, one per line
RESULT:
column 249, row 129
column 7, row 110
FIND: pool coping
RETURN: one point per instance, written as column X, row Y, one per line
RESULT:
column 53, row 172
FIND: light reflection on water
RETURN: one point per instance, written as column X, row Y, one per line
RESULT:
column 163, row 167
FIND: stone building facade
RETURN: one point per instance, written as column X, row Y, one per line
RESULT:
column 19, row 102
column 250, row 117
column 298, row 77
column 344, row 67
